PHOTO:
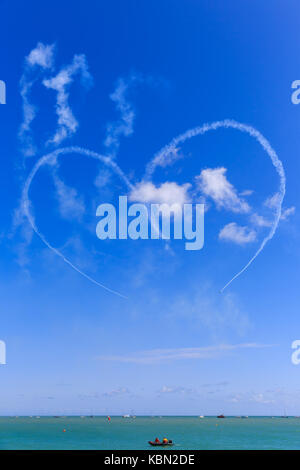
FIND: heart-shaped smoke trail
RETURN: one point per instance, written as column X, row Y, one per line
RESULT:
column 158, row 160
column 170, row 149
column 50, row 159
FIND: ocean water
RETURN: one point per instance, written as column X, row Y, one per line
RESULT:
column 128, row 433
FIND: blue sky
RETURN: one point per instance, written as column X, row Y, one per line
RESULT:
column 123, row 79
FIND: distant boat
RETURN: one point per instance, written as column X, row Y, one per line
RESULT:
column 244, row 417
column 162, row 444
column 221, row 416
column 201, row 416
column 126, row 416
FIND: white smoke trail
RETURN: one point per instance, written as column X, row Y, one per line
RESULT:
column 42, row 57
column 67, row 123
column 124, row 126
column 50, row 159
column 169, row 149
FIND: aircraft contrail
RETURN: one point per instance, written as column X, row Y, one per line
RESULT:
column 158, row 160
column 50, row 159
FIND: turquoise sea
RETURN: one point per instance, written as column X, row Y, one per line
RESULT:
column 128, row 433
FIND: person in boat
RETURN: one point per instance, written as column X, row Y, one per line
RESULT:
column 165, row 440
column 157, row 441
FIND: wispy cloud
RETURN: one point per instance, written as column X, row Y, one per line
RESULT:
column 165, row 390
column 272, row 201
column 164, row 355
column 103, row 178
column 246, row 192
column 261, row 398
column 218, row 384
column 213, row 183
column 71, row 205
column 286, row 213
column 117, row 392
column 201, row 307
column 260, row 221
column 237, row 234
column 67, row 123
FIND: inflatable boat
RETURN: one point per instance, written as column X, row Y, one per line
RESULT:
column 162, row 444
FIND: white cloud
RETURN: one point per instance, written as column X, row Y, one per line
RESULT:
column 103, row 178
column 246, row 192
column 42, row 55
column 237, row 234
column 272, row 201
column 117, row 392
column 71, row 206
column 163, row 355
column 169, row 193
column 260, row 398
column 286, row 213
column 166, row 389
column 260, row 221
column 67, row 124
column 236, row 398
column 213, row 183
column 182, row 390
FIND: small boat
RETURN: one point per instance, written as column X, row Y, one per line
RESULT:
column 201, row 416
column 221, row 416
column 162, row 444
